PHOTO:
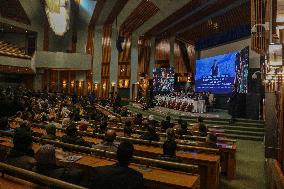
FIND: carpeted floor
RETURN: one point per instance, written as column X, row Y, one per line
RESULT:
column 250, row 167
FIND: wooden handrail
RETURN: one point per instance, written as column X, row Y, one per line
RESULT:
column 35, row 177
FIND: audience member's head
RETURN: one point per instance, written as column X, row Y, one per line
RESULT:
column 50, row 129
column 83, row 127
column 169, row 148
column 170, row 134
column 46, row 155
column 151, row 129
column 3, row 123
column 212, row 138
column 200, row 119
column 124, row 153
column 168, row 118
column 110, row 136
column 22, row 140
column 127, row 129
column 19, row 114
column 151, row 118
column 183, row 125
column 71, row 131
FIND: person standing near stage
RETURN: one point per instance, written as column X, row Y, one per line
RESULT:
column 233, row 104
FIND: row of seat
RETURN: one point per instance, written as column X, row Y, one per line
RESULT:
column 153, row 178
column 9, row 49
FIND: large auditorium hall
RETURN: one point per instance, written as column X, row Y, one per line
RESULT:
column 141, row 94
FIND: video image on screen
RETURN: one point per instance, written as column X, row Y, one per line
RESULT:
column 216, row 74
column 163, row 80
column 242, row 69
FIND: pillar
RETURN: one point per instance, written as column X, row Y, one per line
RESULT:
column 58, row 81
column 172, row 48
column 134, row 66
column 113, row 61
column 152, row 57
column 97, row 66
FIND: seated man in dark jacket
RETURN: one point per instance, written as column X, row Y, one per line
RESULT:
column 118, row 176
column 150, row 134
column 72, row 137
column 127, row 130
column 167, row 123
column 22, row 154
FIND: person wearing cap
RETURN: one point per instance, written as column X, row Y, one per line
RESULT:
column 108, row 143
column 118, row 175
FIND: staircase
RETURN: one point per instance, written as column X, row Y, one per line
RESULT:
column 245, row 129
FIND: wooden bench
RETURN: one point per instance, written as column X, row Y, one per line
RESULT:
column 29, row 177
column 153, row 177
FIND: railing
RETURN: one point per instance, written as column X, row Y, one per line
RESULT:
column 35, row 177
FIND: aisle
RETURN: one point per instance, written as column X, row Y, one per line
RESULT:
column 250, row 167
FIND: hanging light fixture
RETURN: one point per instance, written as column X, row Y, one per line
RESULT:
column 58, row 15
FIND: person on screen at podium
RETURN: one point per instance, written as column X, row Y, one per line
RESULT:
column 214, row 69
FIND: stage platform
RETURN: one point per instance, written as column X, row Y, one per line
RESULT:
column 217, row 113
column 246, row 129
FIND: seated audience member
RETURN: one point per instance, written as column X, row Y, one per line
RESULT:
column 183, row 129
column 212, row 141
column 65, row 122
column 72, row 137
column 202, row 129
column 138, row 119
column 50, row 132
column 169, row 151
column 108, row 143
column 119, row 175
column 46, row 165
column 167, row 123
column 152, row 121
column 170, row 134
column 22, row 154
column 4, row 124
column 102, row 127
column 150, row 134
column 83, row 127
column 127, row 129
column 18, row 117
column 180, row 120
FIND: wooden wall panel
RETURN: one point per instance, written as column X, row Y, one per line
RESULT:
column 259, row 42
column 144, row 51
column 106, row 57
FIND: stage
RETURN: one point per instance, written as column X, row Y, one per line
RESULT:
column 162, row 112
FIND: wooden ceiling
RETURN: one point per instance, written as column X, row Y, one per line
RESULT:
column 143, row 12
column 236, row 17
column 202, row 18
column 12, row 9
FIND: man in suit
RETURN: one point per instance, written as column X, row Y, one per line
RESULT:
column 119, row 175
column 233, row 104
